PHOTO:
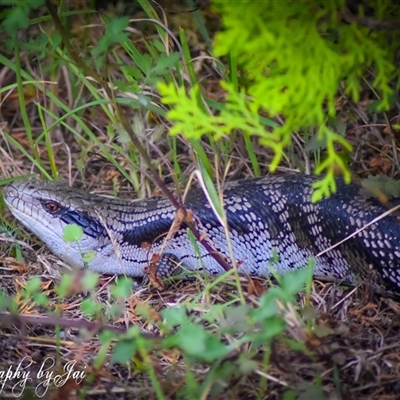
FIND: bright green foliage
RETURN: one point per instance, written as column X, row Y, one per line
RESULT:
column 292, row 57
column 296, row 53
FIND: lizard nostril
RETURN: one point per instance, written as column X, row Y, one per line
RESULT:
column 9, row 192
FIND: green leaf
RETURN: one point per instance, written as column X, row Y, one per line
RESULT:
column 106, row 336
column 268, row 306
column 90, row 280
column 5, row 300
column 315, row 143
column 89, row 256
column 40, row 299
column 165, row 63
column 90, row 307
column 273, row 327
column 72, row 233
column 236, row 319
column 131, row 87
column 196, row 341
column 17, row 17
column 290, row 395
column 33, row 286
column 248, row 366
column 123, row 288
column 175, row 316
column 380, row 185
column 313, row 392
column 123, row 352
column 114, row 33
column 64, row 286
column 146, row 62
column 294, row 282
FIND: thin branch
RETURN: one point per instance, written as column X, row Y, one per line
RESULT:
column 7, row 319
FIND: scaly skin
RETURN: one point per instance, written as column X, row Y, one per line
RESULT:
column 268, row 214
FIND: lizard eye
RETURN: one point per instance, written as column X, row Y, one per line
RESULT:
column 51, row 206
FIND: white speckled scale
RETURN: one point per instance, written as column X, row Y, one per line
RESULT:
column 265, row 215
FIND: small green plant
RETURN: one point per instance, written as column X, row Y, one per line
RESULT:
column 73, row 233
column 32, row 291
column 202, row 338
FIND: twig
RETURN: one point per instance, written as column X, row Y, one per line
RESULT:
column 94, row 327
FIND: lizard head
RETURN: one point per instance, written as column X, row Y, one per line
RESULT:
column 46, row 208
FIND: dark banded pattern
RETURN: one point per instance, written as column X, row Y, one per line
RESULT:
column 265, row 215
